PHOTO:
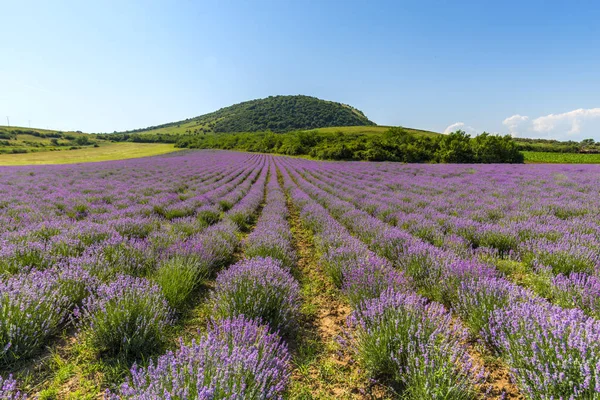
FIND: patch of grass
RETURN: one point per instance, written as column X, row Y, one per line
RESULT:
column 534, row 157
column 370, row 129
column 106, row 152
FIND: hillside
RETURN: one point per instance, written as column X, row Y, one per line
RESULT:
column 17, row 140
column 275, row 113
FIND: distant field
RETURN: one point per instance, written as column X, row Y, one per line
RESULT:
column 18, row 140
column 371, row 129
column 560, row 158
column 112, row 151
column 189, row 127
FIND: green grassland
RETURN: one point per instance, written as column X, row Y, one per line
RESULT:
column 105, row 152
column 370, row 129
column 17, row 140
column 533, row 157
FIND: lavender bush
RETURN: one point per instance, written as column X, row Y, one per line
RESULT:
column 477, row 299
column 178, row 277
column 237, row 359
column 370, row 279
column 401, row 337
column 577, row 290
column 553, row 352
column 9, row 390
column 259, row 289
column 32, row 308
column 126, row 317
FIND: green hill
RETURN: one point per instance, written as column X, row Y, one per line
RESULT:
column 275, row 113
column 16, row 140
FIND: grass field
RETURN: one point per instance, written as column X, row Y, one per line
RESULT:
column 185, row 128
column 112, row 151
column 533, row 157
column 374, row 129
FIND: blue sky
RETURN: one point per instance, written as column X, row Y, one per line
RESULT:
column 530, row 68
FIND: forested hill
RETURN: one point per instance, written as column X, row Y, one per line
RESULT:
column 275, row 114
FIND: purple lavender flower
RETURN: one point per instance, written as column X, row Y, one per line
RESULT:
column 259, row 289
column 577, row 290
column 370, row 278
column 9, row 390
column 126, row 317
column 237, row 359
column 477, row 299
column 32, row 307
column 553, row 352
column 399, row 336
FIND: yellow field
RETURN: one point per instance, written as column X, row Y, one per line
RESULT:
column 109, row 151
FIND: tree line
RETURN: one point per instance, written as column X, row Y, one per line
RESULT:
column 395, row 144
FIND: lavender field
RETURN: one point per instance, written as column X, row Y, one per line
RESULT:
column 224, row 275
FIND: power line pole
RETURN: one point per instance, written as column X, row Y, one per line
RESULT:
column 29, row 123
column 8, row 121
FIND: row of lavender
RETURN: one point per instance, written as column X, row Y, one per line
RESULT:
column 121, row 291
column 563, row 267
column 555, row 237
column 526, row 330
column 254, row 304
column 121, row 248
column 52, row 290
column 395, row 333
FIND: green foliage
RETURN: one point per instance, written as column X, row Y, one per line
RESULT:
column 586, row 146
column 561, row 158
column 495, row 149
column 395, row 144
column 128, row 318
column 275, row 113
column 455, row 148
column 179, row 276
column 16, row 140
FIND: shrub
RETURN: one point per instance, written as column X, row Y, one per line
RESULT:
column 9, row 391
column 371, row 278
column 259, row 289
column 477, row 299
column 456, row 272
column 21, row 257
column 400, row 337
column 132, row 257
column 337, row 261
column 272, row 236
column 274, row 245
column 577, row 290
column 563, row 256
column 75, row 283
column 179, row 276
column 32, row 307
column 127, row 317
column 207, row 215
column 552, row 352
column 219, row 243
column 237, row 359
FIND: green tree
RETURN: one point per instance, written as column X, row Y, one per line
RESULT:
column 455, row 147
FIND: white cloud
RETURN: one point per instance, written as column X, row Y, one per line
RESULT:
column 576, row 125
column 515, row 123
column 454, row 127
column 463, row 127
column 572, row 120
column 460, row 126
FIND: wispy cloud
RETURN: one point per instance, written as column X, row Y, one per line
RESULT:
column 568, row 125
column 515, row 123
column 573, row 120
column 460, row 126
